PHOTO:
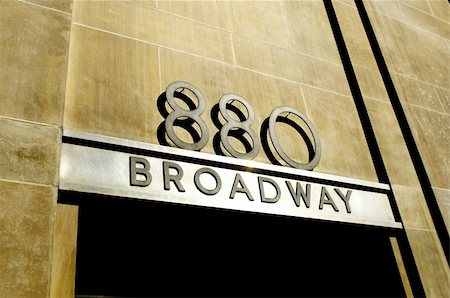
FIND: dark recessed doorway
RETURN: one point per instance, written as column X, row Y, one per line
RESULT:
column 130, row 248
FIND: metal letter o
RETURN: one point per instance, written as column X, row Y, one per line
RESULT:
column 201, row 188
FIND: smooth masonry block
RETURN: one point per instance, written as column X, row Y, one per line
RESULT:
column 395, row 154
column 419, row 5
column 318, row 39
column 261, row 20
column 426, row 21
column 371, row 83
column 418, row 93
column 64, row 251
column 431, row 132
column 111, row 85
column 215, row 13
column 290, row 65
column 30, row 153
column 443, row 199
column 440, row 9
column 34, row 44
column 444, row 96
column 344, row 148
column 431, row 262
column 414, row 61
column 355, row 36
column 62, row 5
column 413, row 207
column 140, row 20
column 26, row 225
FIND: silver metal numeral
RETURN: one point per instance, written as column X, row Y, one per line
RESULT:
column 180, row 112
column 238, row 128
column 273, row 137
column 233, row 124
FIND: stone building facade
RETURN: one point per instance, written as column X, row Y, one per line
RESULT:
column 373, row 77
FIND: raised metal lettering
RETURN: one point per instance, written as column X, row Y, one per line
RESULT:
column 325, row 194
column 265, row 199
column 142, row 172
column 201, row 188
column 299, row 192
column 167, row 165
column 233, row 124
column 276, row 144
column 180, row 112
column 243, row 189
column 345, row 198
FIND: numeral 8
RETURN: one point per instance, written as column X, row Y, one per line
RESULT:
column 233, row 124
column 179, row 112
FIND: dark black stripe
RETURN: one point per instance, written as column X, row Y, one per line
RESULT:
column 357, row 96
column 425, row 183
column 410, row 265
column 359, row 103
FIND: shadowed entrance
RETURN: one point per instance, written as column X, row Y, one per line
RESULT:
column 132, row 248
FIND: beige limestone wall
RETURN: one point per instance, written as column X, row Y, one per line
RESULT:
column 64, row 251
column 421, row 74
column 414, row 41
column 34, row 40
column 124, row 54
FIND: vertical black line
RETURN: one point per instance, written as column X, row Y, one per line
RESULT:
column 357, row 95
column 410, row 265
column 367, row 127
column 413, row 150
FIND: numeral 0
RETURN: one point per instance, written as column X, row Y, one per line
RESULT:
column 273, row 137
column 231, row 124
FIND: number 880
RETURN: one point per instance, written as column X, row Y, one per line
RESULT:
column 233, row 125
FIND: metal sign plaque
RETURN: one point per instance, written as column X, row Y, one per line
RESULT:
column 124, row 168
